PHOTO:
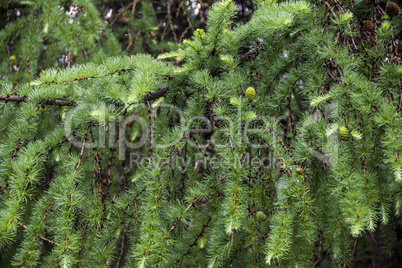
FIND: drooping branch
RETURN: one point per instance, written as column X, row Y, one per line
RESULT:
column 3, row 187
column 119, row 72
column 60, row 102
column 177, row 221
column 155, row 95
column 41, row 237
column 15, row 98
column 197, row 237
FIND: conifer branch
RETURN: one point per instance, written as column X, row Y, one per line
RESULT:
column 121, row 247
column 177, row 221
column 231, row 239
column 3, row 187
column 327, row 46
column 283, row 144
column 121, row 218
column 155, row 95
column 178, row 151
column 206, row 156
column 354, row 248
column 15, row 98
column 320, row 242
column 16, row 150
column 119, row 72
column 204, row 226
column 97, row 158
column 41, row 237
column 129, row 203
column 110, row 164
column 183, row 172
column 151, row 113
column 47, row 211
column 81, row 155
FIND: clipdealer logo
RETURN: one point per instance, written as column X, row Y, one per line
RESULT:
column 111, row 130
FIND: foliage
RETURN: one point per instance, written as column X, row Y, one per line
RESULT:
column 136, row 161
column 61, row 33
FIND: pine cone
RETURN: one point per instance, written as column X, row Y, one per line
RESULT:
column 123, row 19
column 343, row 133
column 250, row 93
column 261, row 216
column 368, row 25
column 392, row 9
column 397, row 59
column 299, row 170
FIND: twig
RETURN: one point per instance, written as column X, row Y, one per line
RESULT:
column 354, row 247
column 3, row 187
column 206, row 157
column 198, row 236
column 81, row 155
column 231, row 240
column 41, row 237
column 122, row 216
column 177, row 221
column 121, row 248
column 319, row 233
column 99, row 171
column 47, row 211
column 155, row 95
column 129, row 203
column 151, row 112
column 15, row 98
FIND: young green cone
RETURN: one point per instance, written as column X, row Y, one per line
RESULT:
column 343, row 133
column 250, row 93
column 261, row 216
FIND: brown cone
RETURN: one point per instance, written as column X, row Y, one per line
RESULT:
column 392, row 9
column 368, row 25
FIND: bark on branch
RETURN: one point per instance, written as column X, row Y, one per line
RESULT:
column 15, row 98
column 155, row 95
